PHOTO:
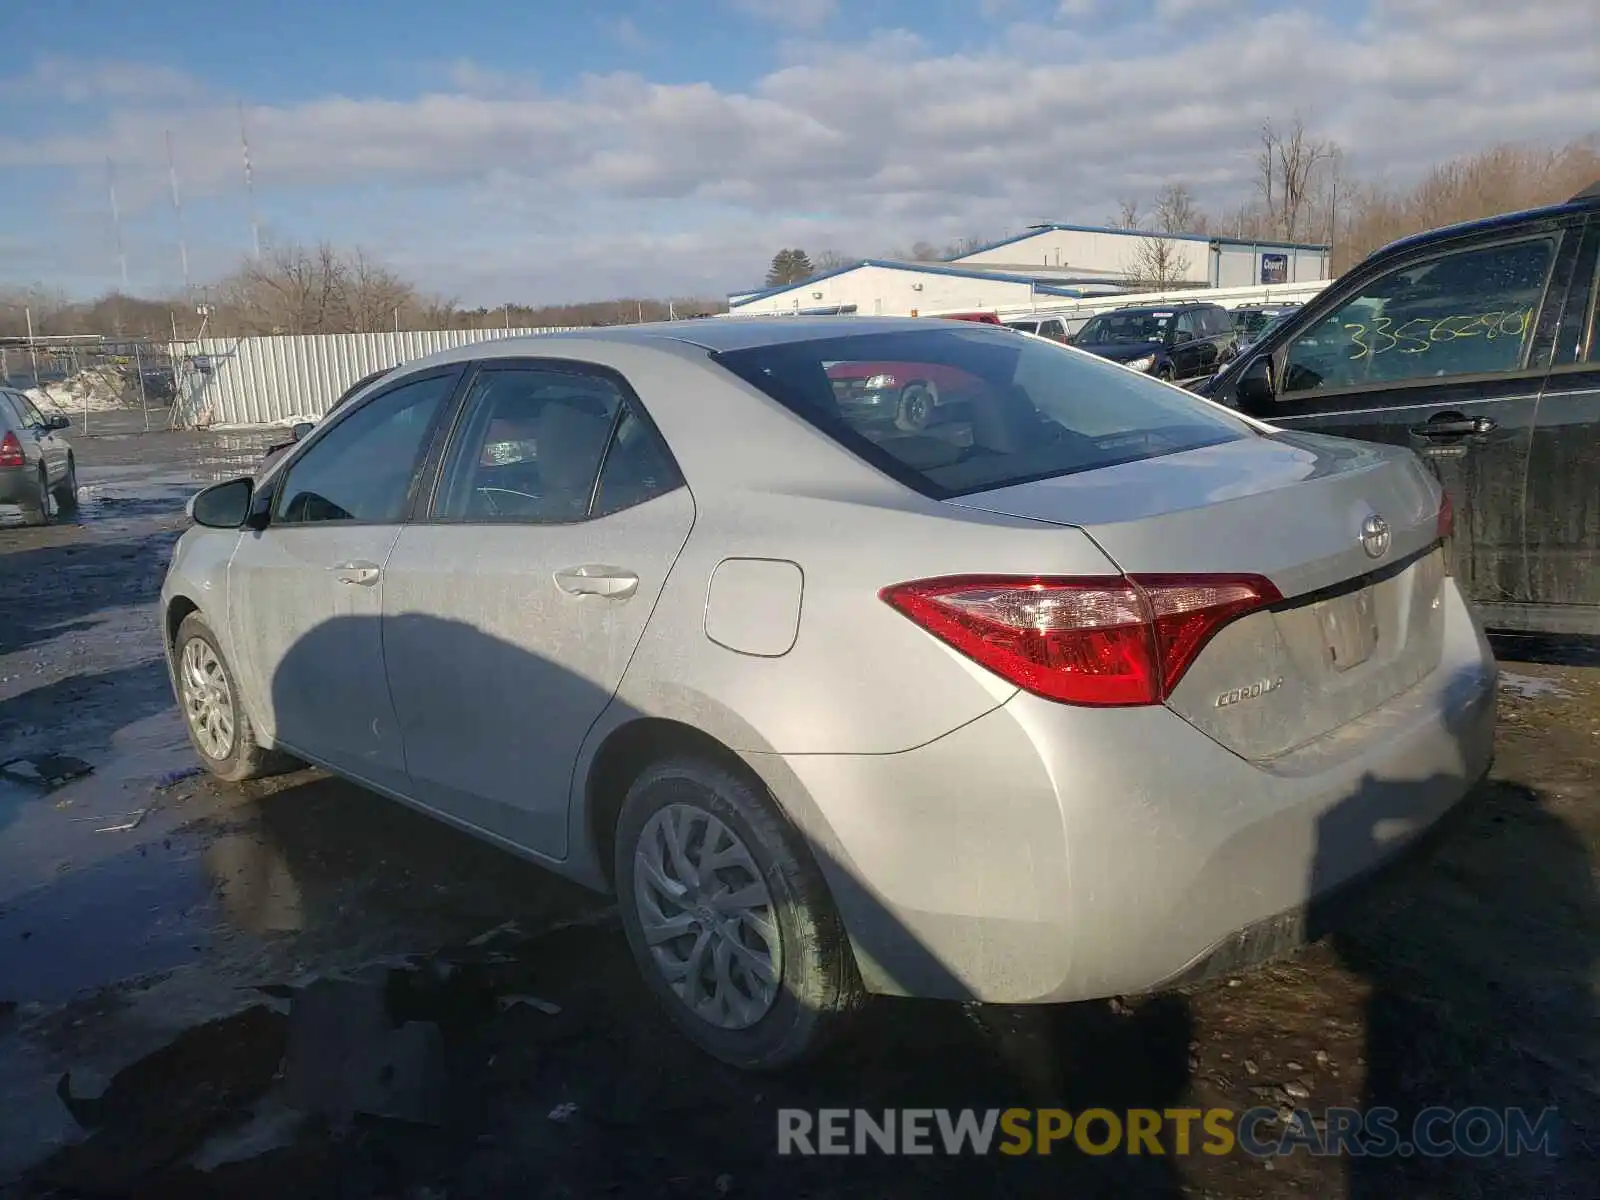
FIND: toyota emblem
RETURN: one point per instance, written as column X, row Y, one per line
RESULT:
column 1375, row 536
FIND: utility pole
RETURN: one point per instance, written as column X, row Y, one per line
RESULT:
column 249, row 185
column 116, row 223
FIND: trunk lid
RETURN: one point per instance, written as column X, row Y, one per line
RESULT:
column 1354, row 630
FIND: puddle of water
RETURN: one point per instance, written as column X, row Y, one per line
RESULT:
column 1531, row 686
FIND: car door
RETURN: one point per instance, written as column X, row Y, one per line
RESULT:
column 1443, row 352
column 306, row 590
column 1219, row 338
column 1188, row 346
column 510, row 612
column 1562, row 511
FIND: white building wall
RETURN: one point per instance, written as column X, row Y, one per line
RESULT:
column 1225, row 265
column 884, row 291
column 1107, row 250
column 1241, row 266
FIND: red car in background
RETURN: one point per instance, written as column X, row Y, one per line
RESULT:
column 908, row 394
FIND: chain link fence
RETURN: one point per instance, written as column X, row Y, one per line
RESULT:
column 84, row 376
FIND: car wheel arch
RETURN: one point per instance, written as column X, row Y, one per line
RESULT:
column 178, row 609
column 626, row 753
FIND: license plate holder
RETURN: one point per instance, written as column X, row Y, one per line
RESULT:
column 1349, row 629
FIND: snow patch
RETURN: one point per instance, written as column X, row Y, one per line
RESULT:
column 94, row 389
column 1530, row 686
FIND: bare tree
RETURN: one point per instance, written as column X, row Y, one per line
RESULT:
column 1158, row 261
column 924, row 252
column 374, row 295
column 290, row 289
column 830, row 260
column 1176, row 211
column 1286, row 164
column 1127, row 213
column 964, row 246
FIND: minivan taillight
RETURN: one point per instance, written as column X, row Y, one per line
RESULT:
column 11, row 451
column 1101, row 641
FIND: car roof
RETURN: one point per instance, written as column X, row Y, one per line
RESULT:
column 1160, row 308
column 1586, row 201
column 722, row 334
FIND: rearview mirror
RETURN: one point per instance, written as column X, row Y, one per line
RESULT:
column 223, row 505
column 300, row 429
column 1254, row 390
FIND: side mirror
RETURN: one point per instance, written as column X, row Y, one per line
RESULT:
column 58, row 421
column 1254, row 389
column 1180, row 336
column 300, row 429
column 222, row 505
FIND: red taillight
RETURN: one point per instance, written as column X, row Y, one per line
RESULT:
column 1447, row 530
column 1102, row 641
column 11, row 452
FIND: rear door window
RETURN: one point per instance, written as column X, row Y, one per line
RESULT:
column 954, row 411
column 1466, row 312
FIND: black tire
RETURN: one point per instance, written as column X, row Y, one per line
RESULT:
column 914, row 413
column 819, row 985
column 245, row 758
column 38, row 512
column 1164, row 372
column 66, row 492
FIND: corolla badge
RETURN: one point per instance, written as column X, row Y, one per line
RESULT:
column 1375, row 536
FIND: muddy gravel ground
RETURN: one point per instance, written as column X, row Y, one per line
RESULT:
column 189, row 971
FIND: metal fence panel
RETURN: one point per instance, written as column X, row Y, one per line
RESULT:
column 271, row 379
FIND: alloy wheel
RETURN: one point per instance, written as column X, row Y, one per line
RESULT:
column 207, row 698
column 707, row 916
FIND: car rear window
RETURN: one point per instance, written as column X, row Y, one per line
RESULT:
column 952, row 411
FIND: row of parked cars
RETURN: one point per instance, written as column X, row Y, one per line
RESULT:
column 835, row 647
column 1170, row 341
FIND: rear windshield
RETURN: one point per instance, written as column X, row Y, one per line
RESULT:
column 951, row 411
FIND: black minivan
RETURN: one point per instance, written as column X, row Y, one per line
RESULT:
column 1476, row 346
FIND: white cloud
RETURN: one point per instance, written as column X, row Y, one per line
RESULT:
column 628, row 34
column 1071, row 10
column 796, row 14
column 860, row 145
column 81, row 81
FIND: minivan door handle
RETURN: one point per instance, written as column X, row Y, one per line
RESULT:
column 1452, row 425
column 594, row 579
column 362, row 574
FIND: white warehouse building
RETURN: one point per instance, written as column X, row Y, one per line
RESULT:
column 1218, row 262
column 1045, row 267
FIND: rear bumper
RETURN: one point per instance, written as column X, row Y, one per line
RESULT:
column 19, row 485
column 1048, row 853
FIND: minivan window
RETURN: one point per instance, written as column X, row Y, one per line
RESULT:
column 1131, row 326
column 1468, row 312
column 954, row 411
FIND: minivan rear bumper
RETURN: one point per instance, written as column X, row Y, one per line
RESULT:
column 1051, row 853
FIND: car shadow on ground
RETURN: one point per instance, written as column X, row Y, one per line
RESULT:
column 555, row 1074
column 65, row 586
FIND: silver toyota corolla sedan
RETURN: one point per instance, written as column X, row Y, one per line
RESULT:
column 1072, row 685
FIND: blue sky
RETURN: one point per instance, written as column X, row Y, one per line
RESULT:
column 545, row 151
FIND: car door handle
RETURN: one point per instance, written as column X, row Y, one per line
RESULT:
column 1462, row 427
column 596, row 580
column 363, row 573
